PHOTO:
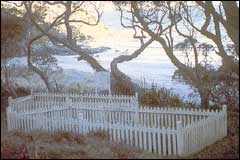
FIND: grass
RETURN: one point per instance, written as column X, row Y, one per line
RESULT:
column 38, row 144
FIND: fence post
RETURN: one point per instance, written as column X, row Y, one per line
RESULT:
column 68, row 102
column 224, row 108
column 180, row 144
column 136, row 95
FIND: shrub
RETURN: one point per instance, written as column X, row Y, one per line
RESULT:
column 159, row 97
column 21, row 91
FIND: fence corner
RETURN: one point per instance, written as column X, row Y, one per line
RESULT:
column 224, row 108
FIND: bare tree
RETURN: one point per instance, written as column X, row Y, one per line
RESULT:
column 64, row 19
column 227, row 16
column 46, row 30
column 120, row 82
column 68, row 41
column 36, row 18
column 161, row 19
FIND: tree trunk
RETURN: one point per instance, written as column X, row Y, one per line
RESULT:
column 35, row 69
column 85, row 56
column 121, row 83
column 92, row 61
column 204, row 95
column 232, row 22
column 43, row 77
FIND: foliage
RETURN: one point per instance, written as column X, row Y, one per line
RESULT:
column 12, row 10
column 159, row 97
column 222, row 91
column 226, row 92
column 46, row 63
column 40, row 11
column 12, row 34
column 80, row 37
column 121, row 87
column 160, row 20
column 77, row 88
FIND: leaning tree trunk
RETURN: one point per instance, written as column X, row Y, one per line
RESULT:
column 231, row 23
column 83, row 54
column 121, row 83
column 43, row 76
column 204, row 95
column 88, row 58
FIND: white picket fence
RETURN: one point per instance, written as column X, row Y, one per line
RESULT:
column 165, row 131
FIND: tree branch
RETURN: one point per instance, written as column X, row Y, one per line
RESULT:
column 93, row 63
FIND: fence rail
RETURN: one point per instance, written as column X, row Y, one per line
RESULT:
column 166, row 131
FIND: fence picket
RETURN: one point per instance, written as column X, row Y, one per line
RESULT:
column 164, row 142
column 144, row 140
column 136, row 137
column 169, row 144
column 154, row 141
